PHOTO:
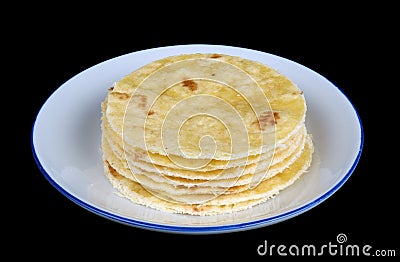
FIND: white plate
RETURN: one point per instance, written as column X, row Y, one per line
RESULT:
column 66, row 145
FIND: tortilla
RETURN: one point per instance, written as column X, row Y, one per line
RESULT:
column 204, row 134
column 223, row 203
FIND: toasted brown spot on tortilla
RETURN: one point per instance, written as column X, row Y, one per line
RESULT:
column 298, row 93
column 197, row 208
column 277, row 117
column 191, row 84
column 215, row 56
column 267, row 118
column 122, row 96
column 140, row 100
column 113, row 172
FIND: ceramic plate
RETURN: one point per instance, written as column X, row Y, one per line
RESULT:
column 66, row 145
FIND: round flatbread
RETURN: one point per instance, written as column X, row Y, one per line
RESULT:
column 204, row 134
column 174, row 105
column 214, row 205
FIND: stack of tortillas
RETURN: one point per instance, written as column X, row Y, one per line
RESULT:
column 204, row 134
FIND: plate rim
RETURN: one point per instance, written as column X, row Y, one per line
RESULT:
column 199, row 229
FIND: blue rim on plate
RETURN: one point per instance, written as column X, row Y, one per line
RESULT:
column 204, row 229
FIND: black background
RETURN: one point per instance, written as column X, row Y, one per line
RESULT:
column 351, row 51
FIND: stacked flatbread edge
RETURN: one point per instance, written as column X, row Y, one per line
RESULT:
column 172, row 139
